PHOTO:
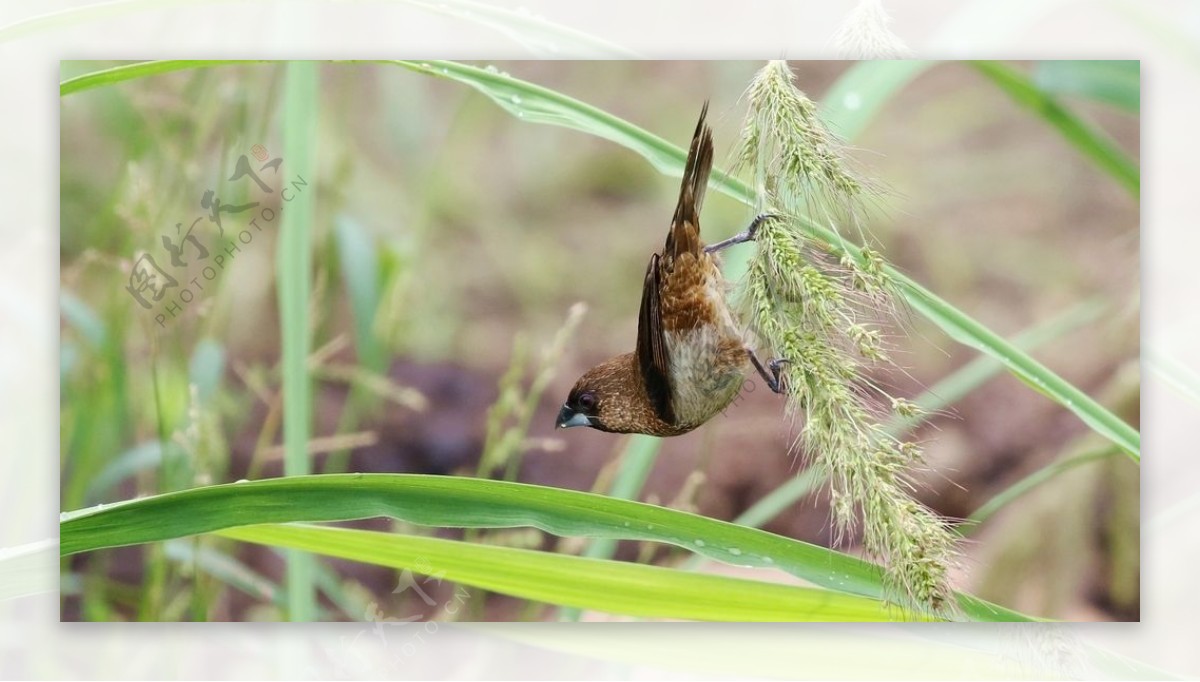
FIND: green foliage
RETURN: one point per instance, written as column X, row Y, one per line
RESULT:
column 1112, row 81
column 294, row 272
column 458, row 502
column 1093, row 143
column 638, row 590
column 851, row 588
column 361, row 274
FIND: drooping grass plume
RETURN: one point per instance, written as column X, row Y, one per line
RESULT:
column 509, row 417
column 819, row 314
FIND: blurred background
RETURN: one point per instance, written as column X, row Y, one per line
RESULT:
column 450, row 241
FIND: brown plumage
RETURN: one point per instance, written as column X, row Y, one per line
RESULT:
column 690, row 358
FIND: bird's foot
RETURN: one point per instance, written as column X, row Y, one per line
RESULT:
column 770, row 373
column 746, row 235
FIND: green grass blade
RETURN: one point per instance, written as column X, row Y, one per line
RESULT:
column 125, row 72
column 970, row 333
column 854, row 100
column 83, row 319
column 610, row 586
column 535, row 104
column 972, row 375
column 147, row 455
column 206, row 369
column 1094, row 144
column 360, row 271
column 1016, row 490
column 636, row 463
column 226, row 569
column 445, row 501
column 294, row 267
column 781, row 498
column 637, row 460
column 28, row 569
column 546, row 39
column 1179, row 376
column 1112, row 81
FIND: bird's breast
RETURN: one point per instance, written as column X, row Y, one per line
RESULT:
column 706, row 371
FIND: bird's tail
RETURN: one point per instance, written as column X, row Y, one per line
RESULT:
column 684, row 236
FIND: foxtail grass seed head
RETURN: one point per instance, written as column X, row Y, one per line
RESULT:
column 821, row 314
column 864, row 34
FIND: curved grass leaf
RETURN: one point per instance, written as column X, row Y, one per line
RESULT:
column 225, row 568
column 126, row 72
column 535, row 104
column 1112, row 81
column 28, row 569
column 1178, row 376
column 637, row 460
column 1093, row 143
column 546, row 39
column 609, row 586
column 456, row 502
column 1016, row 490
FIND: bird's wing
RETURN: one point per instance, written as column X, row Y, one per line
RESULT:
column 675, row 286
column 652, row 346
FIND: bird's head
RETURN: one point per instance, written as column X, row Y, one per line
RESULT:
column 610, row 397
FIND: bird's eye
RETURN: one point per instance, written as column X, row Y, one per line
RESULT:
column 586, row 401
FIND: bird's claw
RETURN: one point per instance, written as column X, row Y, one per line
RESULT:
column 770, row 373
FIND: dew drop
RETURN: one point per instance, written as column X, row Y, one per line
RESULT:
column 699, row 542
column 515, row 99
column 491, row 68
column 242, row 480
column 735, row 551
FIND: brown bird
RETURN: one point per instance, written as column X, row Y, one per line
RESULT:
column 691, row 358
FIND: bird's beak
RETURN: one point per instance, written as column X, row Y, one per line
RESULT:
column 568, row 418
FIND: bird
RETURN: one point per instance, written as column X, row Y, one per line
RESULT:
column 690, row 358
